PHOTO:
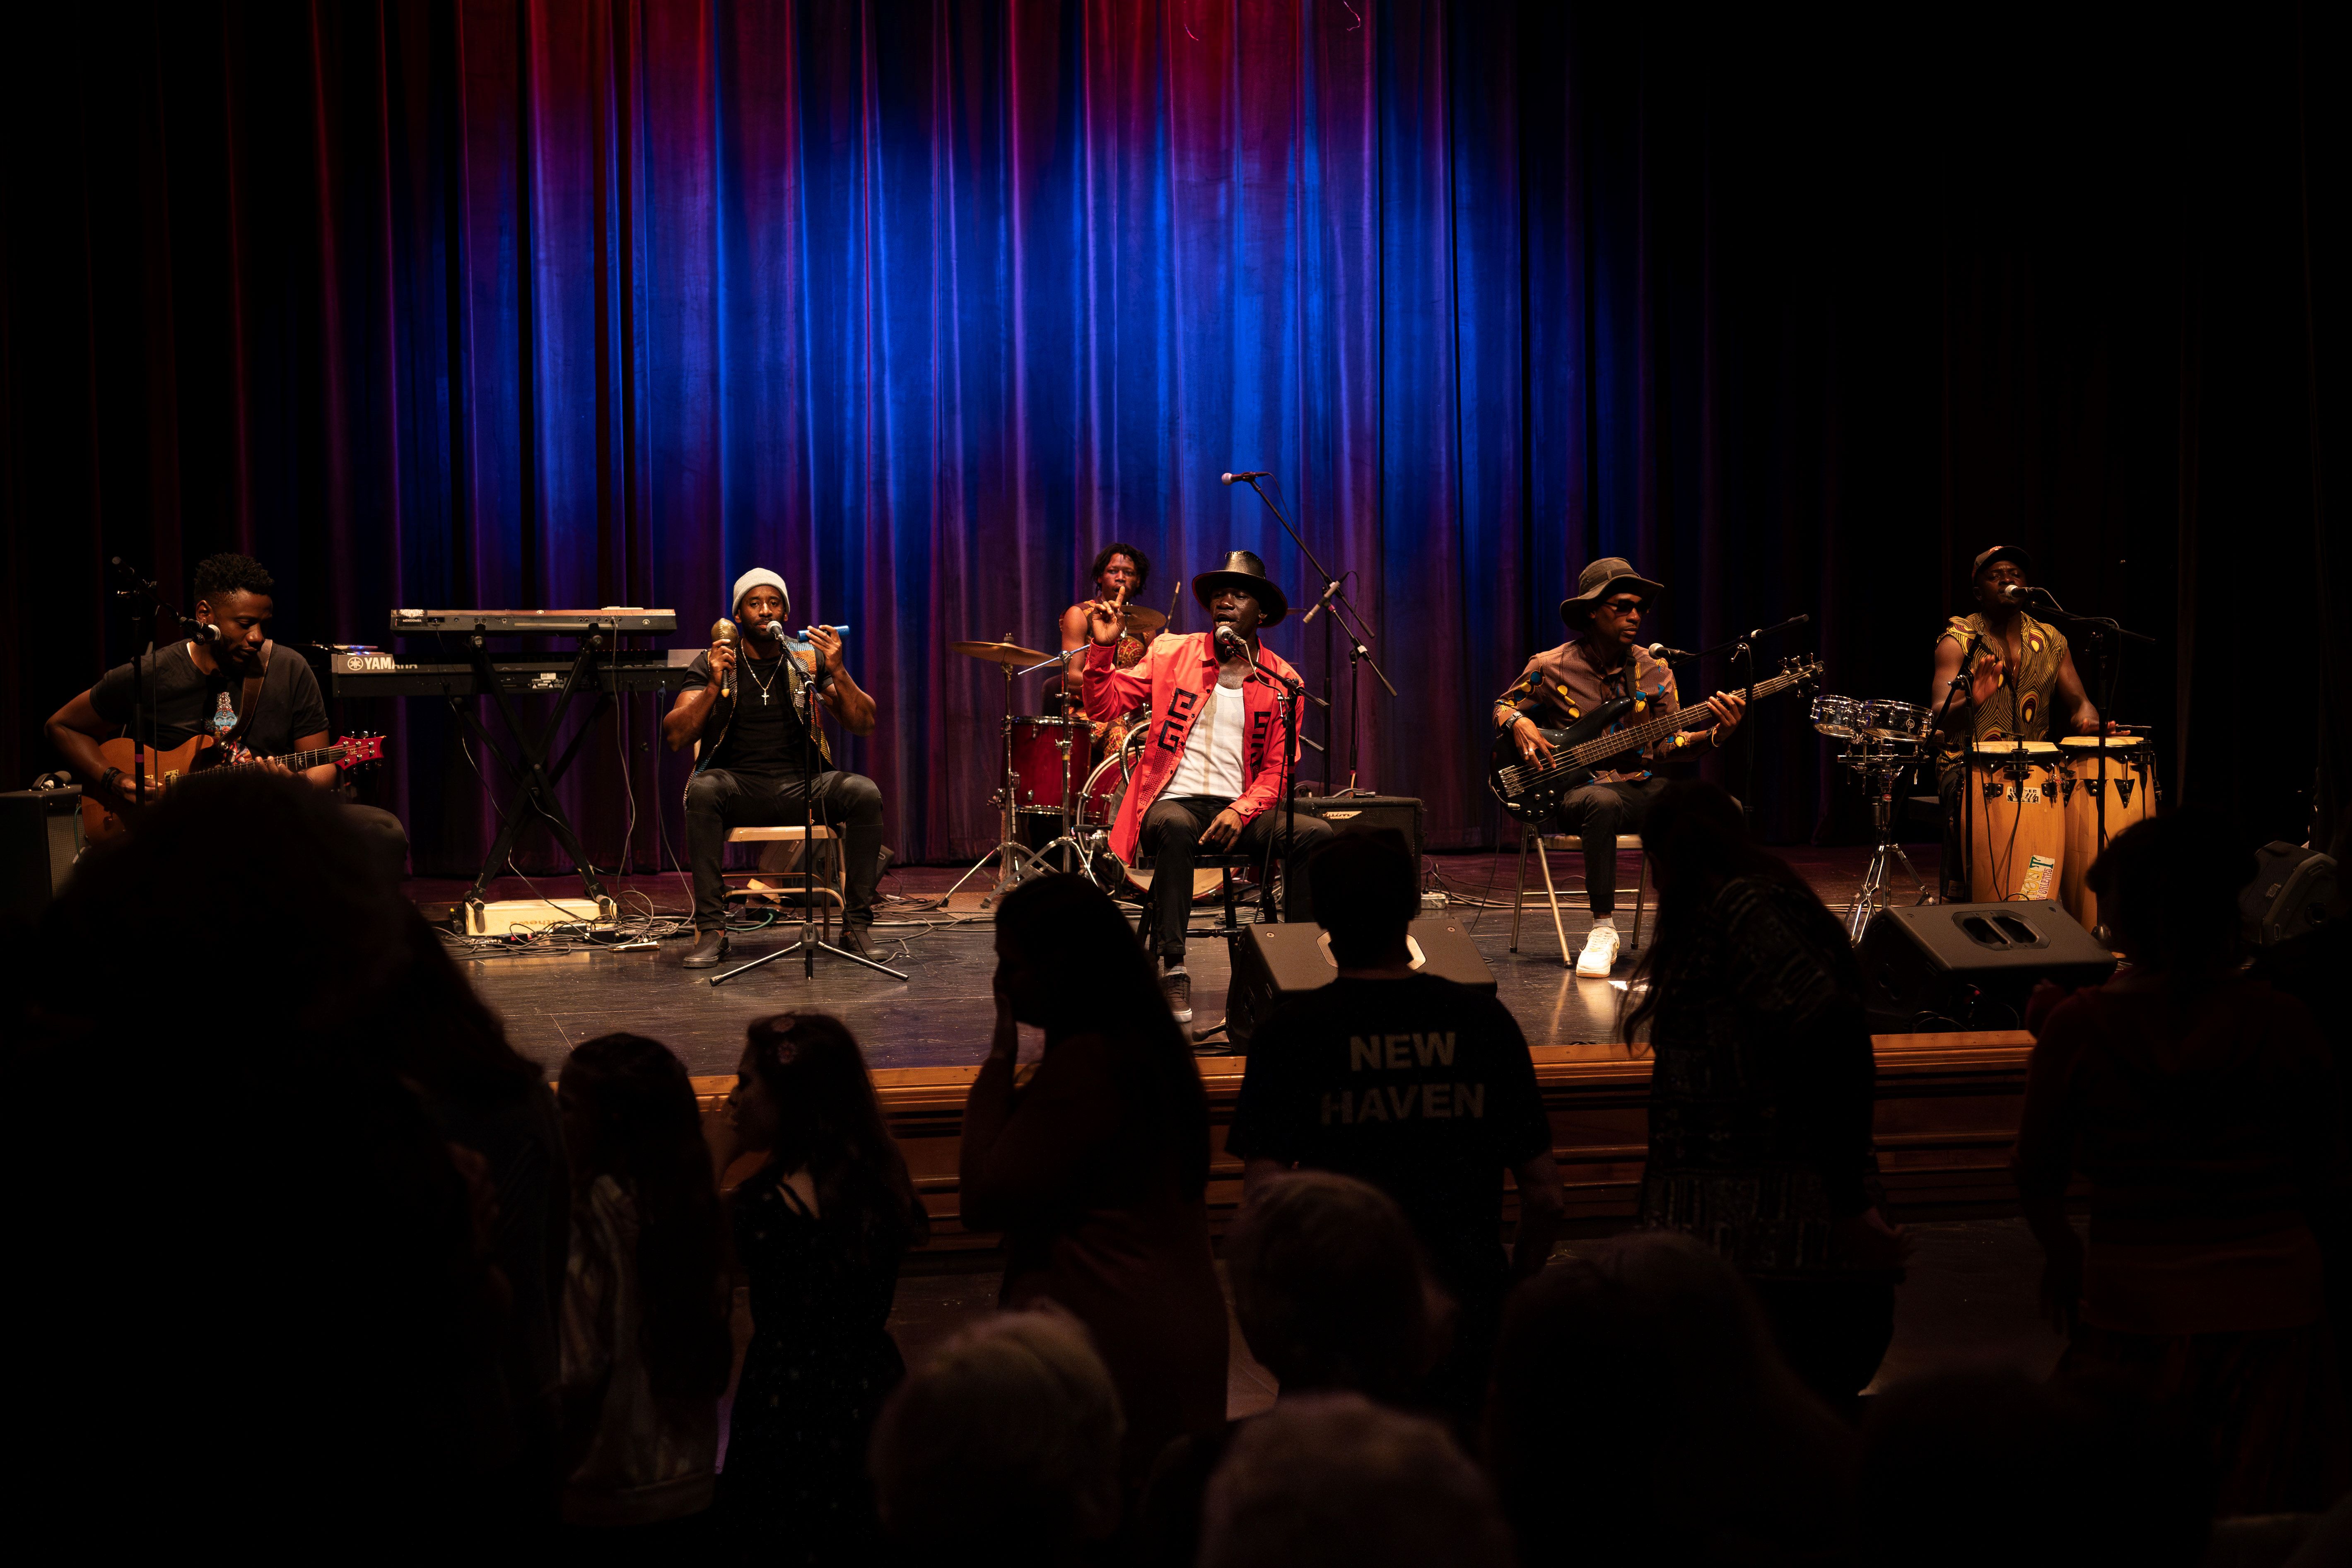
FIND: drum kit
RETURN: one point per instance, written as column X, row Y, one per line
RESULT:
column 1051, row 778
column 1884, row 742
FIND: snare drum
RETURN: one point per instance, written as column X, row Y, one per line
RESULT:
column 2122, row 773
column 2015, row 825
column 1898, row 721
column 1839, row 717
column 1050, row 756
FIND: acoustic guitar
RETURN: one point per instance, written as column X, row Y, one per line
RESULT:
column 1533, row 790
column 201, row 755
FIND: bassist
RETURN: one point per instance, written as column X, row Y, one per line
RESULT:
column 240, row 689
column 1600, row 661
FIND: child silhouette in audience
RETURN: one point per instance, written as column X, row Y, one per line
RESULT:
column 644, row 1334
column 820, row 1231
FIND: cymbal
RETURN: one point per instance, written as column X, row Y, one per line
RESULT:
column 1004, row 653
column 1143, row 623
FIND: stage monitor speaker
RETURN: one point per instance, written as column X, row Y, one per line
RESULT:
column 1971, row 966
column 1274, row 963
column 1362, row 813
column 2295, row 890
column 40, row 839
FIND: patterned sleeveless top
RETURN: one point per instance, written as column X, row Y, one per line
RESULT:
column 2025, row 714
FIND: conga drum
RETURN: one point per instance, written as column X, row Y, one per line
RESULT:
column 2014, row 821
column 2119, row 771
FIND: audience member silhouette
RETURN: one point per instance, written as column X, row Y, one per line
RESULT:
column 820, row 1229
column 1642, row 1414
column 264, row 1295
column 1416, row 1084
column 487, row 1097
column 1004, row 1447
column 1331, row 1294
column 1094, row 1170
column 1332, row 1480
column 1962, row 1468
column 2201, row 1106
column 1760, row 1090
column 644, row 1309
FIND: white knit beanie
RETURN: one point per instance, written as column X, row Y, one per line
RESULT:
column 759, row 576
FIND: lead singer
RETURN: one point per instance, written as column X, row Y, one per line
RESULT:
column 1211, row 774
column 752, row 764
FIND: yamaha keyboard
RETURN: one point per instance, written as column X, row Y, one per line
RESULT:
column 619, row 671
column 629, row 619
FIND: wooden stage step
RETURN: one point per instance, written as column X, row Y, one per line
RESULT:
column 1947, row 1111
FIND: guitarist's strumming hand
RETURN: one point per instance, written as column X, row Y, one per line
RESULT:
column 1533, row 748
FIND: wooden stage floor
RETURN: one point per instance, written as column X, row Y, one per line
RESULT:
column 940, row 1016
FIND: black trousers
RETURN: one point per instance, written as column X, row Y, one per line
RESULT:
column 719, row 798
column 1171, row 835
column 1597, row 814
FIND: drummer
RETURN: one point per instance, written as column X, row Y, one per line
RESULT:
column 2022, row 676
column 1119, row 574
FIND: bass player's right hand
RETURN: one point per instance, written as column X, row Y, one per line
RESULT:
column 1533, row 747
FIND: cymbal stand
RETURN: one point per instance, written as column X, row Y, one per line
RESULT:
column 1015, row 860
column 1880, row 770
column 1070, row 783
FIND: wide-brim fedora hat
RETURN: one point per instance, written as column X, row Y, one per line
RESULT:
column 1610, row 574
column 1244, row 570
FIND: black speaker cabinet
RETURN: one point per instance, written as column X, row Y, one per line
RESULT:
column 1972, row 965
column 1359, row 812
column 40, row 838
column 1275, row 962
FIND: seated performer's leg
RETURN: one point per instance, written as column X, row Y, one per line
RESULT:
column 851, row 805
column 1952, row 871
column 1171, row 835
column 1298, row 894
column 387, row 840
column 709, row 795
column 1597, row 814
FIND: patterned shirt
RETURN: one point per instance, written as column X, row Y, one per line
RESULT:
column 1560, row 686
column 2021, row 715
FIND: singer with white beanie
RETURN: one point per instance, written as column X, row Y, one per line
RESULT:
column 749, row 707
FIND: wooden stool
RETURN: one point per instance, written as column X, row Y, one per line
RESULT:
column 808, row 838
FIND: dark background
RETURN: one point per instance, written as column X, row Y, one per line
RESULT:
column 540, row 305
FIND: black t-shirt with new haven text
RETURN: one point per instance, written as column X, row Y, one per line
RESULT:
column 1419, row 1085
column 186, row 700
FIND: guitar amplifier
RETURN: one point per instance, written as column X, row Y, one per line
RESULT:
column 40, row 839
column 1359, row 813
column 1272, row 963
column 1971, row 966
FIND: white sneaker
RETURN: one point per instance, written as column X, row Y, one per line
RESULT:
column 1599, row 955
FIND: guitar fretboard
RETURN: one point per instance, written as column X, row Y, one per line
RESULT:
column 1635, row 737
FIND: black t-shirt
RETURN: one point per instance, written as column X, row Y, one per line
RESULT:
column 187, row 700
column 766, row 737
column 1419, row 1085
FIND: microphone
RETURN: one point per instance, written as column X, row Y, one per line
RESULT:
column 1666, row 654
column 1252, row 474
column 723, row 634
column 2018, row 593
column 1232, row 640
column 204, row 632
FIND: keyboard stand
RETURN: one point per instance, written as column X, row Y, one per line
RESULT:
column 530, row 767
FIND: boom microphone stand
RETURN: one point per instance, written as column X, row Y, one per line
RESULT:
column 147, row 604
column 2111, row 675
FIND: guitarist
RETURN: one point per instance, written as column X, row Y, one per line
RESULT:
column 1601, row 661
column 239, row 689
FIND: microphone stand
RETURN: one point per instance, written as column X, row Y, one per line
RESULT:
column 1334, row 598
column 1745, row 648
column 1286, row 692
column 2111, row 675
column 147, row 604
column 808, row 941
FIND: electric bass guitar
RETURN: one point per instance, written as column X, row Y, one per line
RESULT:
column 198, row 755
column 1533, row 790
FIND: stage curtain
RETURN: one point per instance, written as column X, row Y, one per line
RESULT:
column 518, row 302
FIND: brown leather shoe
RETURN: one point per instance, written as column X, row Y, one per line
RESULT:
column 709, row 947
column 857, row 939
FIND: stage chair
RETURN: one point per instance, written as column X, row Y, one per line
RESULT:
column 1541, row 846
column 832, row 890
column 1225, row 865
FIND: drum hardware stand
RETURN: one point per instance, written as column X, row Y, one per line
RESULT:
column 809, row 943
column 1070, row 811
column 1879, row 773
column 1015, row 860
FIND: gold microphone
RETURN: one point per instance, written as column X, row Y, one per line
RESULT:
column 723, row 634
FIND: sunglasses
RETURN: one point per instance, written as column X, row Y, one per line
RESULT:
column 1621, row 606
